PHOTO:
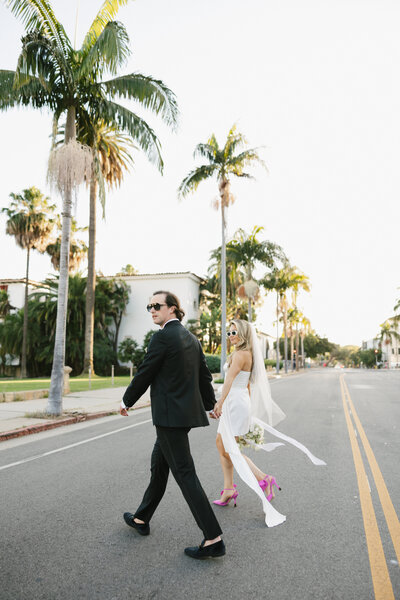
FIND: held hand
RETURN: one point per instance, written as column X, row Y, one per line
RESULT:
column 123, row 411
column 218, row 409
column 212, row 415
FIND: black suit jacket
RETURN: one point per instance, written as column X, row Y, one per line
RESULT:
column 175, row 367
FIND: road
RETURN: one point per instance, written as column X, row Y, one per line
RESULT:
column 63, row 493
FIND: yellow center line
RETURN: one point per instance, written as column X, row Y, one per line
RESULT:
column 380, row 575
column 392, row 520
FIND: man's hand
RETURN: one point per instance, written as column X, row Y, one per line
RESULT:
column 212, row 415
column 123, row 411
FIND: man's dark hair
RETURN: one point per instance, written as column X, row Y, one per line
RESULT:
column 172, row 300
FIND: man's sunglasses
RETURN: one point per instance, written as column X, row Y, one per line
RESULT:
column 156, row 306
column 229, row 333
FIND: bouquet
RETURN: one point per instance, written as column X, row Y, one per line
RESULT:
column 253, row 438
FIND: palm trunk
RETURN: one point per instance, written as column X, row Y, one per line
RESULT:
column 286, row 344
column 25, row 326
column 297, row 348
column 250, row 313
column 292, row 350
column 302, row 352
column 277, row 333
column 54, row 405
column 91, row 278
column 223, row 290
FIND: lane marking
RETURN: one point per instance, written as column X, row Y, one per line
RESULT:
column 379, row 571
column 391, row 517
column 92, row 439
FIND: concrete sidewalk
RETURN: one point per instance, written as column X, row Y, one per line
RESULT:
column 16, row 419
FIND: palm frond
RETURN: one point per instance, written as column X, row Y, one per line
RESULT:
column 194, row 178
column 115, row 114
column 109, row 51
column 236, row 164
column 39, row 58
column 234, row 141
column 208, row 151
column 106, row 14
column 153, row 94
column 39, row 15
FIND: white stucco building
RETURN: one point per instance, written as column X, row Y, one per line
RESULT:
column 136, row 321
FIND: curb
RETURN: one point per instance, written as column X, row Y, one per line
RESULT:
column 8, row 435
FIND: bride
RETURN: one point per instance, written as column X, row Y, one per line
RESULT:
column 247, row 410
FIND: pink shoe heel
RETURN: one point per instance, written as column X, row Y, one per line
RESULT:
column 270, row 482
column 226, row 502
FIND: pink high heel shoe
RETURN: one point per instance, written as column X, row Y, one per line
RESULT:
column 233, row 497
column 271, row 482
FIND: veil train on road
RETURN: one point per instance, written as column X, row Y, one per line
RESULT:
column 266, row 414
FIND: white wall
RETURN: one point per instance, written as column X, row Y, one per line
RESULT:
column 136, row 321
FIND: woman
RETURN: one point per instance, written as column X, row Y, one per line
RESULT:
column 246, row 403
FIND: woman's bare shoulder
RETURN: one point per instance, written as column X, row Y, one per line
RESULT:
column 241, row 357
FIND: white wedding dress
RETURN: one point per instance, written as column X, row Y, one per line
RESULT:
column 242, row 411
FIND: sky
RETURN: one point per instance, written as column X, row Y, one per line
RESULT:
column 313, row 84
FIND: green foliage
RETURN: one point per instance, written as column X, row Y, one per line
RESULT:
column 130, row 351
column 213, row 363
column 315, row 345
column 269, row 362
column 111, row 299
column 370, row 358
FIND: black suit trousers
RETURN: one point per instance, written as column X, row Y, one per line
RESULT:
column 172, row 452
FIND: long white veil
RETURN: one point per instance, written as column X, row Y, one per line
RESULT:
column 265, row 413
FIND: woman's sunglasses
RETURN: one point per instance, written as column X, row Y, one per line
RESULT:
column 156, row 306
column 229, row 333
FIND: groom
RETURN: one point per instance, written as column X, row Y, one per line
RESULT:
column 181, row 392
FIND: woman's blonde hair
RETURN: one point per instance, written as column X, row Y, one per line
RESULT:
column 244, row 335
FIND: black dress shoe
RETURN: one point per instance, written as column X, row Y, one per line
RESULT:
column 142, row 528
column 201, row 552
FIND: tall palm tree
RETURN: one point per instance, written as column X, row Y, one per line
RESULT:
column 305, row 329
column 77, row 248
column 29, row 221
column 223, row 163
column 51, row 74
column 110, row 149
column 244, row 252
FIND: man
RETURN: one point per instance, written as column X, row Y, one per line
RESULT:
column 181, row 392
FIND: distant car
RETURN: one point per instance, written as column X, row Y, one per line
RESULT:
column 339, row 366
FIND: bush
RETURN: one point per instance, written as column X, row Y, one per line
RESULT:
column 213, row 362
column 268, row 362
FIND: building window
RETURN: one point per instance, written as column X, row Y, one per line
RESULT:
column 195, row 304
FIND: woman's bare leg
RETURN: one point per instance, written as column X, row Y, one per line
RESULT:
column 227, row 468
column 254, row 469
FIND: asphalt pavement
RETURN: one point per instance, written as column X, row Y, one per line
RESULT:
column 63, row 493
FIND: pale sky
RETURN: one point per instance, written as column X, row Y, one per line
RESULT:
column 316, row 83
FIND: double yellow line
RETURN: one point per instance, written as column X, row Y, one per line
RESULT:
column 380, row 575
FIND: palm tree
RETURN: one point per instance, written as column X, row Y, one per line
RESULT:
column 305, row 329
column 110, row 150
column 223, row 163
column 52, row 74
column 387, row 332
column 77, row 248
column 5, row 305
column 245, row 251
column 30, row 223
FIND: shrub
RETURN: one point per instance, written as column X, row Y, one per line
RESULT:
column 269, row 362
column 213, row 362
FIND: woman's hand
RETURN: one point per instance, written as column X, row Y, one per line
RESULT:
column 218, row 409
